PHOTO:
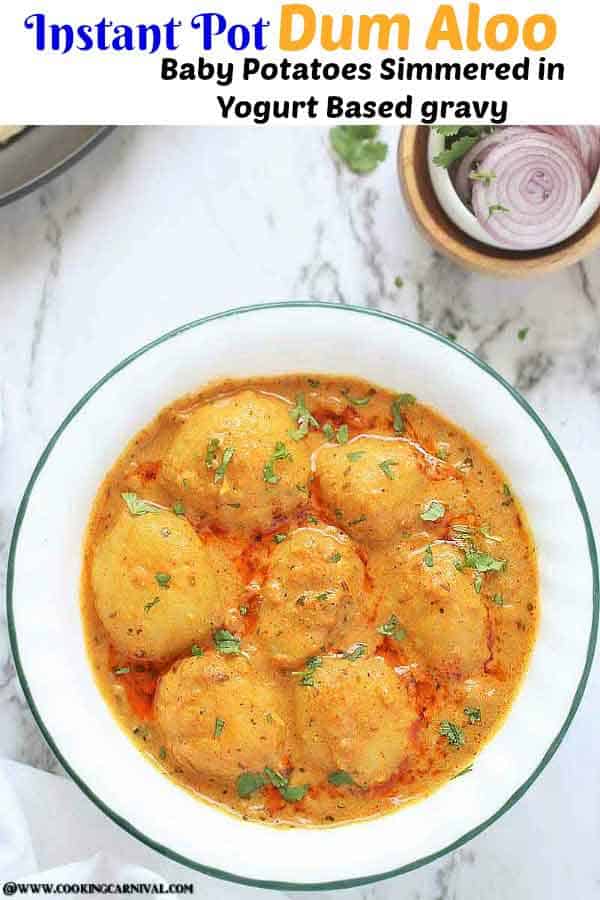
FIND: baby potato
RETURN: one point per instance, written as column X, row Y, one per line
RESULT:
column 444, row 618
column 233, row 461
column 219, row 717
column 355, row 716
column 313, row 596
column 155, row 589
column 374, row 487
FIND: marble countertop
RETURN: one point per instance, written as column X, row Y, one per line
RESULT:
column 162, row 225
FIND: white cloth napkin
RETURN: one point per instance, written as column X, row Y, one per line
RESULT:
column 51, row 833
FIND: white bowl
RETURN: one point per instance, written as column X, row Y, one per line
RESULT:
column 456, row 210
column 45, row 563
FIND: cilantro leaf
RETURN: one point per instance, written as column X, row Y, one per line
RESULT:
column 340, row 778
column 452, row 154
column 356, row 652
column 249, row 782
column 483, row 562
column 397, row 404
column 219, row 726
column 226, row 643
column 342, row 435
column 279, row 453
column 357, row 147
column 473, row 714
column 392, row 629
column 433, row 511
column 139, row 507
column 148, row 606
column 303, row 418
column 452, row 733
column 222, row 467
column 211, row 452
column 386, row 467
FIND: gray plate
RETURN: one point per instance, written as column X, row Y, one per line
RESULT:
column 38, row 154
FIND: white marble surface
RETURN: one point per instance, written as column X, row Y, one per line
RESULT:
column 160, row 226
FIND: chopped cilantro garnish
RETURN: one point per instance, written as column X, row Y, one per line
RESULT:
column 357, row 401
column 485, row 177
column 329, row 431
column 453, row 733
column 398, row 403
column 303, row 418
column 222, row 467
column 498, row 600
column 279, row 453
column 121, row 670
column 386, row 467
column 433, row 511
column 148, row 606
column 342, row 435
column 139, row 507
column 307, row 674
column 483, row 562
column 211, row 453
column 392, row 629
column 358, row 521
column 249, row 782
column 486, row 532
column 340, row 778
column 162, row 578
column 473, row 714
column 197, row 651
column 179, row 508
column 219, row 726
column 428, row 557
column 335, row 557
column 290, row 793
column 355, row 652
column 497, row 208
column 355, row 455
column 522, row 333
column 226, row 642
column 279, row 538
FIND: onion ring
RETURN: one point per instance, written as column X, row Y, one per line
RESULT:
column 540, row 182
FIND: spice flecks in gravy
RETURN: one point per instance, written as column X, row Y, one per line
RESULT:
column 308, row 599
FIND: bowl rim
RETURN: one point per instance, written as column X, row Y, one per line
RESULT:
column 342, row 883
column 59, row 168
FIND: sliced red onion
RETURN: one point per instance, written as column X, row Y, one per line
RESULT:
column 539, row 186
column 474, row 159
column 584, row 138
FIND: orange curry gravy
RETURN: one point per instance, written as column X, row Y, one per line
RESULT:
column 440, row 603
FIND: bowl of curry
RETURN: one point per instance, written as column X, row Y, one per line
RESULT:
column 301, row 602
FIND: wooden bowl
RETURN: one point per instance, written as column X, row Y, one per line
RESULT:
column 446, row 237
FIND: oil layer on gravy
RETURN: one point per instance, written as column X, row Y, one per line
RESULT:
column 308, row 599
